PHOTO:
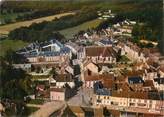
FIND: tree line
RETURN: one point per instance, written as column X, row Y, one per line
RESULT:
column 46, row 30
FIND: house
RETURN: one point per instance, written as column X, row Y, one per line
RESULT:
column 89, row 81
column 125, row 29
column 123, row 89
column 49, row 56
column 48, row 51
column 135, row 83
column 142, row 104
column 66, row 67
column 62, row 79
column 149, row 85
column 90, row 66
column 61, row 94
column 105, row 79
column 106, row 14
column 133, row 52
column 159, row 83
column 150, row 74
column 101, row 54
column 26, row 67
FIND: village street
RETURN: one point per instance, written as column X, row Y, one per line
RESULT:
column 82, row 97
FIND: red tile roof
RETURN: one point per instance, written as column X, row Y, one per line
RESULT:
column 148, row 83
column 107, row 79
column 100, row 51
column 128, row 93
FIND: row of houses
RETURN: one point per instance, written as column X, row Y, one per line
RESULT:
column 152, row 105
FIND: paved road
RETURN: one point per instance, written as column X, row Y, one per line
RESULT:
column 48, row 108
column 82, row 97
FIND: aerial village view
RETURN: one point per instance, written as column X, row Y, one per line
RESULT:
column 81, row 58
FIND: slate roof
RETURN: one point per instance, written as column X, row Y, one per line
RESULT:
column 64, row 50
column 30, row 50
column 135, row 80
column 103, row 91
column 106, row 41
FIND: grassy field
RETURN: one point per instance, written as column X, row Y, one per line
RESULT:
column 69, row 32
column 5, row 29
column 10, row 44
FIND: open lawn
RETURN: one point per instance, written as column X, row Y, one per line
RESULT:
column 5, row 29
column 10, row 44
column 69, row 32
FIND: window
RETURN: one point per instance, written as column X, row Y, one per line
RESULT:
column 145, row 101
column 141, row 104
column 89, row 72
column 99, row 101
column 150, row 105
column 104, row 97
column 132, row 104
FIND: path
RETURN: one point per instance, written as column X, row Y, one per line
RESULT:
column 48, row 108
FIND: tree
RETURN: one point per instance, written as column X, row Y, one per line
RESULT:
column 15, row 83
column 12, row 57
